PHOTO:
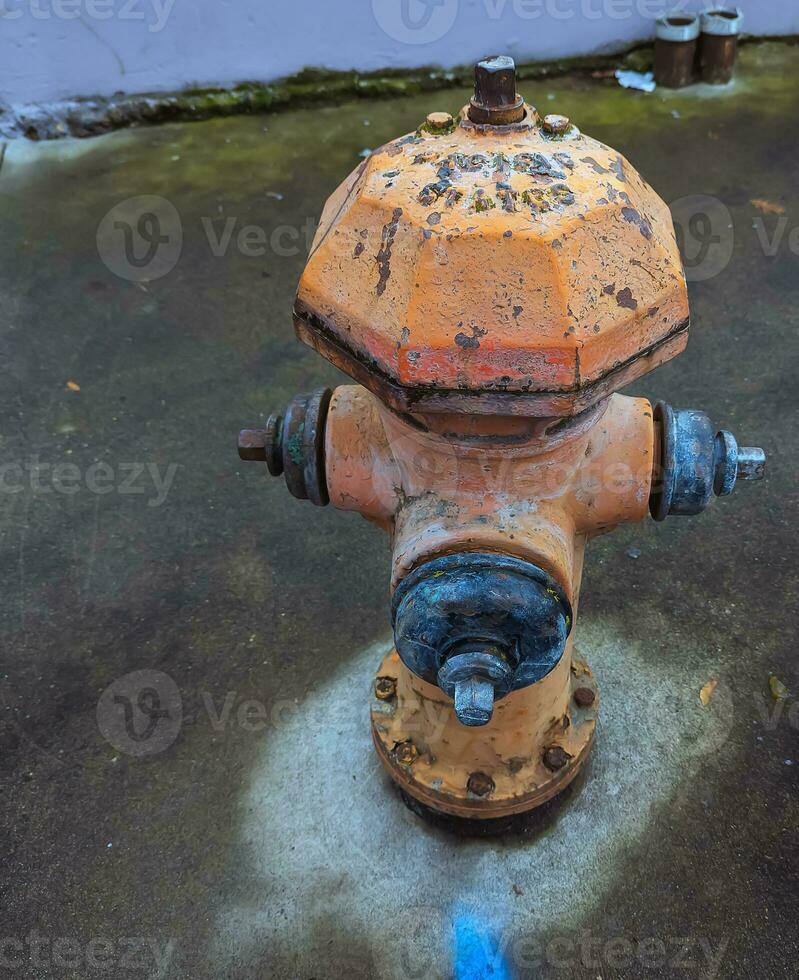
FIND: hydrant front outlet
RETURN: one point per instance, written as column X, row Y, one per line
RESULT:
column 490, row 283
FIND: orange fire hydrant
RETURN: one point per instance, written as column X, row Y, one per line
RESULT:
column 490, row 283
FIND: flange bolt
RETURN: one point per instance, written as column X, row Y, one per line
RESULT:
column 293, row 444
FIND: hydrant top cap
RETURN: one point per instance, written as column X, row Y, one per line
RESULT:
column 516, row 269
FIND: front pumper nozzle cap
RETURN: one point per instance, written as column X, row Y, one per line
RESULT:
column 496, row 101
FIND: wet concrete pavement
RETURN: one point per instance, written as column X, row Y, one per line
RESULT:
column 252, row 833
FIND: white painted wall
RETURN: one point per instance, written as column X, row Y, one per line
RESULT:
column 51, row 49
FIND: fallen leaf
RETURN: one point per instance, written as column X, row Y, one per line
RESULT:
column 778, row 690
column 73, row 386
column 767, row 207
column 707, row 692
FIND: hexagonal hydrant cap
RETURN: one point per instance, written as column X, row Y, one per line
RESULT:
column 507, row 268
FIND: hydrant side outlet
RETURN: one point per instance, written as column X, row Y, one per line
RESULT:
column 490, row 283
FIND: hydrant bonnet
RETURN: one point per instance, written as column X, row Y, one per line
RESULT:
column 515, row 269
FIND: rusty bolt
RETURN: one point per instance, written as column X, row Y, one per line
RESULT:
column 495, row 99
column 252, row 445
column 480, row 784
column 406, row 753
column 439, row 122
column 556, row 124
column 584, row 697
column 556, row 758
column 264, row 445
column 385, row 688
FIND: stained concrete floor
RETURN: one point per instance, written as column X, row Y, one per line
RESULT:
column 263, row 840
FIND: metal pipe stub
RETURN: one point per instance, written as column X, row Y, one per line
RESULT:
column 293, row 445
column 697, row 463
column 718, row 46
column 496, row 101
column 675, row 49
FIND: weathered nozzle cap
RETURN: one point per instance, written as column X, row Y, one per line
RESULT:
column 480, row 625
column 293, row 445
column 696, row 463
column 495, row 100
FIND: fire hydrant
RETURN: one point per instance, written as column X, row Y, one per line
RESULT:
column 490, row 282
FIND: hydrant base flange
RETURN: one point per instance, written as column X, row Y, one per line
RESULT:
column 531, row 750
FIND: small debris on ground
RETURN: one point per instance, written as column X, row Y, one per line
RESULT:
column 707, row 692
column 275, row 194
column 517, row 890
column 778, row 690
column 639, row 80
column 73, row 386
column 767, row 207
column 633, row 552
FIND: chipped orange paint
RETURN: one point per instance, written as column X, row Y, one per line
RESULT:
column 496, row 261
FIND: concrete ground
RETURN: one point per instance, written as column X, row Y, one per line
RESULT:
column 147, row 570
